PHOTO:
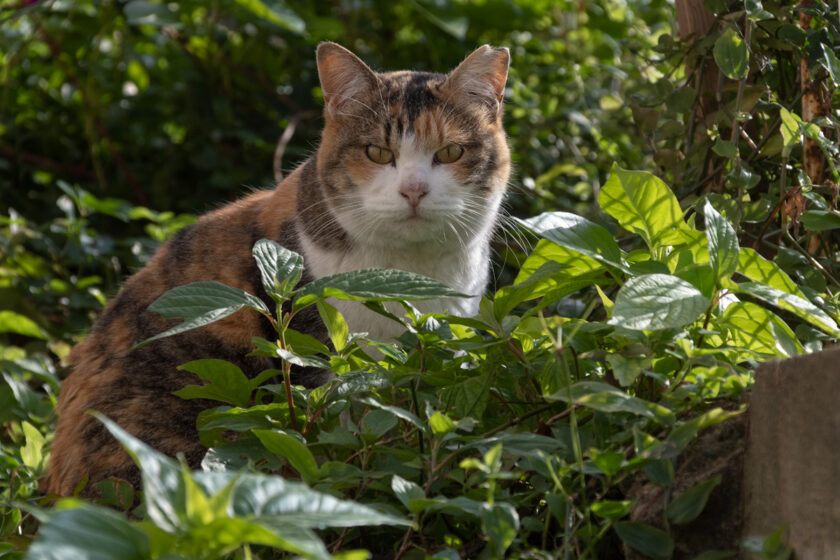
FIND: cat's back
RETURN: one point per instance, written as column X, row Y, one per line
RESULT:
column 134, row 387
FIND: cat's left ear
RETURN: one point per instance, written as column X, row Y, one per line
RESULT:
column 481, row 77
column 344, row 77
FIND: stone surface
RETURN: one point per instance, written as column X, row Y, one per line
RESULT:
column 792, row 467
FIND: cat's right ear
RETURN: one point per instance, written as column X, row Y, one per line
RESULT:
column 344, row 77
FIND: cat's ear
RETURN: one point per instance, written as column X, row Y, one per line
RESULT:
column 481, row 77
column 343, row 75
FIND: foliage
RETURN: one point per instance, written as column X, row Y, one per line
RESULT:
column 619, row 336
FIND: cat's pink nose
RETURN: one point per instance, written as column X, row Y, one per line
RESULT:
column 413, row 192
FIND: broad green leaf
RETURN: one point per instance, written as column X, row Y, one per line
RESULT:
column 723, row 242
column 522, row 444
column 226, row 382
column 163, row 487
column 199, row 304
column 687, row 506
column 284, row 507
column 499, row 523
column 820, row 220
column 278, row 13
column 405, row 490
column 296, row 452
column 303, row 361
column 758, row 330
column 800, row 307
column 549, row 276
column 276, row 502
column 337, row 328
column 609, row 462
column 606, row 398
column 573, row 262
column 400, row 413
column 468, row 397
column 280, row 268
column 760, row 270
column 376, row 423
column 374, row 283
column 90, row 532
column 831, row 64
column 578, row 234
column 641, row 203
column 646, row 539
column 199, row 298
column 16, row 323
column 731, row 55
column 656, row 302
column 304, row 344
column 611, row 509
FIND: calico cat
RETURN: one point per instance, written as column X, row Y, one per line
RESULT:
column 409, row 174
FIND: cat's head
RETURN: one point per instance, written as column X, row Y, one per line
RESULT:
column 413, row 157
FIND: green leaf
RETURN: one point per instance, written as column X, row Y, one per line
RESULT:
column 820, row 220
column 723, row 242
column 303, row 361
column 578, row 234
column 611, row 509
column 199, row 304
column 287, row 508
column 641, row 203
column 500, row 523
column 606, row 398
column 756, row 11
column 656, row 302
column 163, row 487
column 648, row 540
column 400, row 413
column 441, row 424
column 280, row 268
column 800, row 307
column 377, row 423
column 789, row 128
column 374, row 283
column 536, row 285
column 90, row 532
column 405, row 490
column 226, row 382
column 725, row 148
column 304, row 344
column 337, row 328
column 32, row 451
column 279, row 14
column 758, row 330
column 758, row 269
column 296, row 452
column 831, row 64
column 731, row 55
column 16, row 323
column 687, row 506
column 573, row 263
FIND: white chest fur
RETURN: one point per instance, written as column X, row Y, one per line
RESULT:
column 464, row 270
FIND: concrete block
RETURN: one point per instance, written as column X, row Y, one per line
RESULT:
column 792, row 466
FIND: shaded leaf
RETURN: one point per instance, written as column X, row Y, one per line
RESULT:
column 648, row 540
column 687, row 506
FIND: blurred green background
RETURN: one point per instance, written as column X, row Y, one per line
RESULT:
column 179, row 106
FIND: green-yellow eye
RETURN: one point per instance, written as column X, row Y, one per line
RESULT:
column 449, row 154
column 378, row 154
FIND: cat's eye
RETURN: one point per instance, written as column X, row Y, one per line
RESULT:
column 449, row 154
column 378, row 154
